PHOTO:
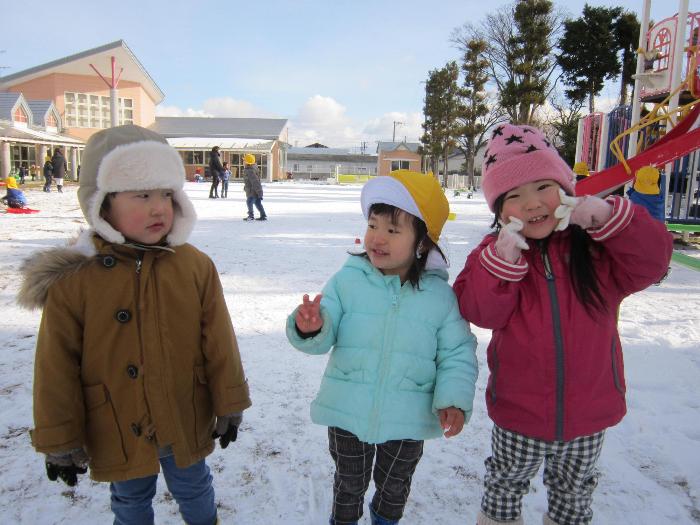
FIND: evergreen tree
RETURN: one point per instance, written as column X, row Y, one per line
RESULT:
column 441, row 110
column 565, row 129
column 588, row 53
column 520, row 41
column 477, row 117
column 626, row 33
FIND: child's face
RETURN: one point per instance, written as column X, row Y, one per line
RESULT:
column 142, row 216
column 390, row 247
column 534, row 204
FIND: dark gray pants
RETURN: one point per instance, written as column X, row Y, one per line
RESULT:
column 393, row 470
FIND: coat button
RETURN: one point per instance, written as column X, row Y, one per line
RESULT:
column 132, row 371
column 108, row 261
column 123, row 316
column 136, row 429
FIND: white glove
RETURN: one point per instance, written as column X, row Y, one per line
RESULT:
column 592, row 212
column 510, row 242
column 563, row 211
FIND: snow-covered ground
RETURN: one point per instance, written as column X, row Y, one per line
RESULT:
column 279, row 470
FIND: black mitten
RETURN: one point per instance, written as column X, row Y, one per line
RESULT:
column 227, row 428
column 67, row 466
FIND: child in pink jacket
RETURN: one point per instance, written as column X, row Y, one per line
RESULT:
column 548, row 283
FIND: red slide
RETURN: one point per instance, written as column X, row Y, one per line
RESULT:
column 675, row 144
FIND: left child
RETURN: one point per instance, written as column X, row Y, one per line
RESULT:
column 402, row 366
column 137, row 368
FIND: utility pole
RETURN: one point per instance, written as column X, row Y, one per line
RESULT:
column 393, row 136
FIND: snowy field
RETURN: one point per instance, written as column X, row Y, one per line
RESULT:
column 279, row 471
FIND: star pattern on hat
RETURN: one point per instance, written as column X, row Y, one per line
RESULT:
column 514, row 138
column 497, row 131
column 531, row 148
column 490, row 160
column 549, row 145
column 527, row 130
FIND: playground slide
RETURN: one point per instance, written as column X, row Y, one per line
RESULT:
column 680, row 141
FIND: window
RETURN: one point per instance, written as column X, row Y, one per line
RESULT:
column 194, row 157
column 399, row 165
column 662, row 45
column 310, row 168
column 51, row 121
column 296, row 167
column 20, row 115
column 93, row 111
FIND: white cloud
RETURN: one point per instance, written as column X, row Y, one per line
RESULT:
column 231, row 107
column 319, row 119
column 174, row 111
column 217, row 107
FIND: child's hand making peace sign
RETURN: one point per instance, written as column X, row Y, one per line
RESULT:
column 308, row 318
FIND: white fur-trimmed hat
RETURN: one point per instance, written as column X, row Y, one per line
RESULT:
column 132, row 158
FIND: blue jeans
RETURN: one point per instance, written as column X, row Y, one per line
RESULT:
column 191, row 487
column 258, row 204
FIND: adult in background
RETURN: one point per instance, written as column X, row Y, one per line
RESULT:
column 48, row 173
column 216, row 169
column 58, row 162
column 253, row 188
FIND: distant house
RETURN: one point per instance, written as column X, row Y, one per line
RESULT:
column 321, row 163
column 398, row 155
column 194, row 137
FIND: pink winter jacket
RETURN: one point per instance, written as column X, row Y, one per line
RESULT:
column 556, row 372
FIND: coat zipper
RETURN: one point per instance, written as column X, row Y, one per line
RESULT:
column 558, row 346
column 383, row 365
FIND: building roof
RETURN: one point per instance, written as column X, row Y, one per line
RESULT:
column 34, row 136
column 39, row 110
column 7, row 104
column 224, row 143
column 393, row 146
column 328, row 154
column 79, row 64
column 251, row 128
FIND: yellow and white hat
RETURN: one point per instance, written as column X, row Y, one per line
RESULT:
column 419, row 194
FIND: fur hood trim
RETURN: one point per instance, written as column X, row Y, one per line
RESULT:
column 44, row 268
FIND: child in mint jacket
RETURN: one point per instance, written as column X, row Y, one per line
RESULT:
column 402, row 366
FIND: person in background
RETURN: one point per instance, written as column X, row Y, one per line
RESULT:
column 137, row 369
column 216, row 170
column 253, row 188
column 48, row 171
column 549, row 283
column 581, row 170
column 60, row 167
column 22, row 173
column 14, row 198
column 402, row 367
column 225, row 176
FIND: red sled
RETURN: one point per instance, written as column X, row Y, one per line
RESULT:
column 21, row 210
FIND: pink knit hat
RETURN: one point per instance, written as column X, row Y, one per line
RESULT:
column 517, row 155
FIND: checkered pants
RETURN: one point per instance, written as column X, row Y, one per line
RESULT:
column 394, row 467
column 569, row 475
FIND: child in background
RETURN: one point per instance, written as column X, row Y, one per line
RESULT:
column 137, row 367
column 14, row 198
column 225, row 176
column 548, row 284
column 48, row 173
column 402, row 366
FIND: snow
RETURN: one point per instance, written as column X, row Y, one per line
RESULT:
column 279, row 470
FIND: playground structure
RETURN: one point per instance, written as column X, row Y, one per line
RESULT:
column 667, row 136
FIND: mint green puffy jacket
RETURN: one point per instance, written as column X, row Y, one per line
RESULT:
column 398, row 354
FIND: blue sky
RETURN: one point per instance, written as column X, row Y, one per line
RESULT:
column 341, row 71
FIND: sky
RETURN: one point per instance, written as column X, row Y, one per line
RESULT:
column 343, row 72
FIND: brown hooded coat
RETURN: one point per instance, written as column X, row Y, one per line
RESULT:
column 148, row 348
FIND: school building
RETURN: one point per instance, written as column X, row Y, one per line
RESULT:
column 64, row 102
